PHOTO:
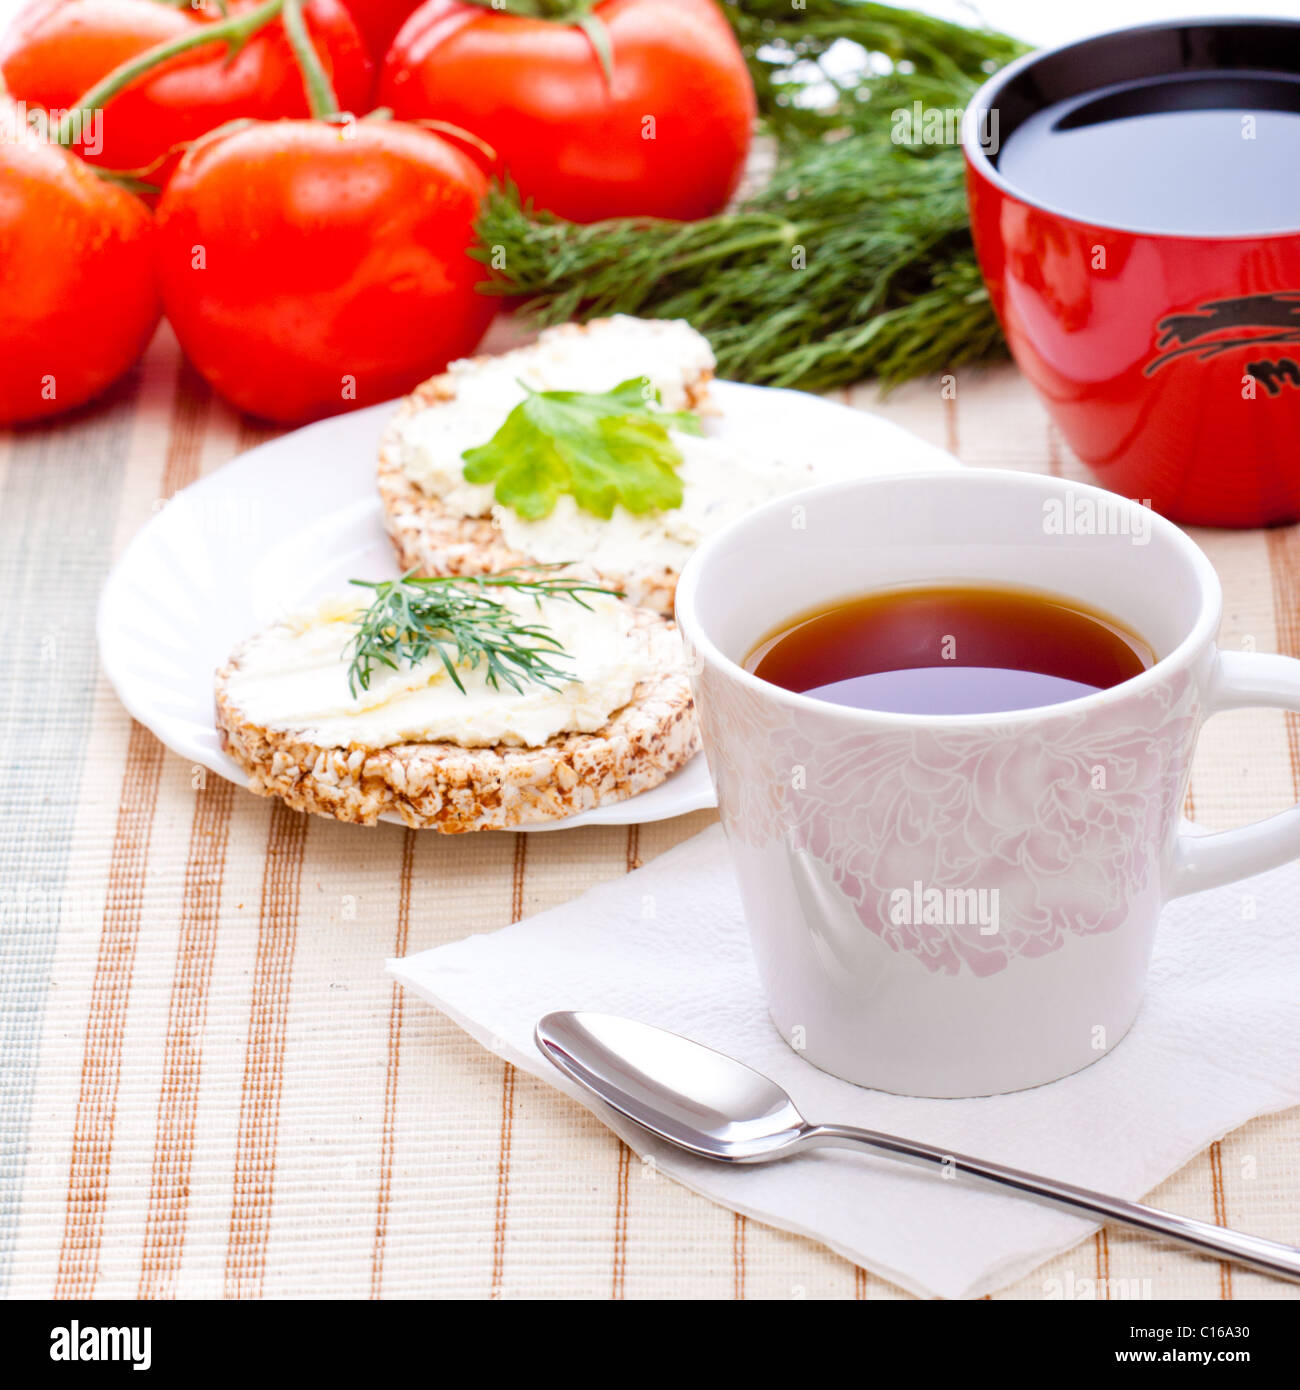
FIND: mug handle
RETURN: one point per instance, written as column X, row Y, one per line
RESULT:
column 1242, row 680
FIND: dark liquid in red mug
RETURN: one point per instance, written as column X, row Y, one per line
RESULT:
column 1198, row 153
column 951, row 650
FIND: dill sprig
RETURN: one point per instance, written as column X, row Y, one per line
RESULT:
column 457, row 618
column 854, row 260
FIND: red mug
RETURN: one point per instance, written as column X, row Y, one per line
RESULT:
column 1169, row 360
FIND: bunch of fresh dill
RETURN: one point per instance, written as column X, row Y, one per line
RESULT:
column 456, row 618
column 855, row 258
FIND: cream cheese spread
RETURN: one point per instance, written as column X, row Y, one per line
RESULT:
column 294, row 677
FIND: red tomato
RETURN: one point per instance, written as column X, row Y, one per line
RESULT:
column 76, row 280
column 309, row 269
column 379, row 21
column 668, row 137
column 56, row 50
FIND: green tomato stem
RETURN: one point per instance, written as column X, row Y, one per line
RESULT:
column 558, row 11
column 598, row 37
column 234, row 32
column 321, row 100
column 122, row 178
column 579, row 13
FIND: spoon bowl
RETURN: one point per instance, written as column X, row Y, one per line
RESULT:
column 715, row 1107
column 692, row 1096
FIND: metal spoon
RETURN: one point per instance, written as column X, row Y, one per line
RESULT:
column 711, row 1105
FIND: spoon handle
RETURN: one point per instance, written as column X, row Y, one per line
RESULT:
column 1267, row 1255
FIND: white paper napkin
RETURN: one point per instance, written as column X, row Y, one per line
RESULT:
column 1216, row 1043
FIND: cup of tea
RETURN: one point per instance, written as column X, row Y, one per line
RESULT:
column 1136, row 216
column 950, row 718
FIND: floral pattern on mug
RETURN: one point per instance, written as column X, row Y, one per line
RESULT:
column 1064, row 817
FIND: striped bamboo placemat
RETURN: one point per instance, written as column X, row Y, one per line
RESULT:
column 209, row 1086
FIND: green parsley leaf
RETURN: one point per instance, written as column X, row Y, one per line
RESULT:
column 603, row 449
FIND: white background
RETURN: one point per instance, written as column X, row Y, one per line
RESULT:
column 1051, row 21
column 1041, row 21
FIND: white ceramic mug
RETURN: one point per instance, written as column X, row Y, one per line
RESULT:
column 960, row 905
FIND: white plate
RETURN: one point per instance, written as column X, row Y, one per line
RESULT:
column 293, row 520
